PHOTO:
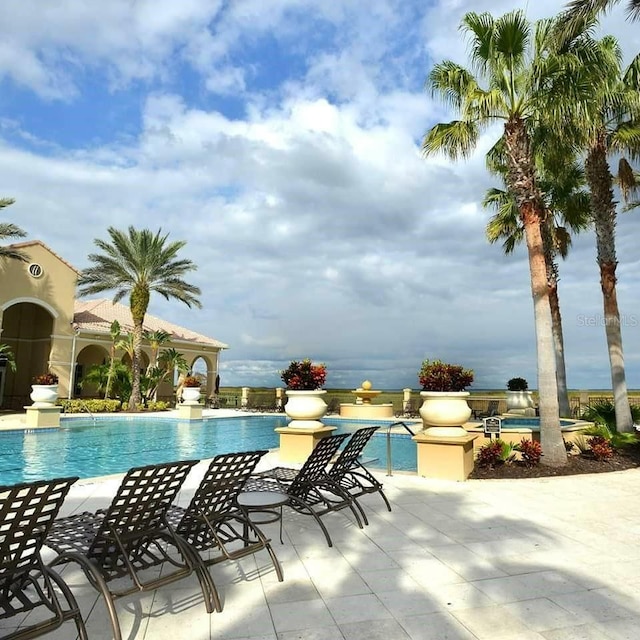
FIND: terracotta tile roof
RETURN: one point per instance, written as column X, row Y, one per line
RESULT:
column 97, row 316
column 31, row 243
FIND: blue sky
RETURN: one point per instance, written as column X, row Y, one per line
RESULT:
column 281, row 139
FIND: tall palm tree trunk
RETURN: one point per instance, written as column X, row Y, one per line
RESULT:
column 136, row 393
column 604, row 217
column 139, row 301
column 558, row 341
column 556, row 317
column 521, row 180
column 555, row 454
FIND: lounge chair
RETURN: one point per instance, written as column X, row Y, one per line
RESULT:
column 309, row 489
column 409, row 410
column 27, row 511
column 492, row 410
column 347, row 471
column 351, row 475
column 213, row 524
column 116, row 545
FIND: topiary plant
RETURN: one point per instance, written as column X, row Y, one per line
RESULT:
column 517, row 384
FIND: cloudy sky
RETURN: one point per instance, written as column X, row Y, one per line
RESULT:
column 281, row 139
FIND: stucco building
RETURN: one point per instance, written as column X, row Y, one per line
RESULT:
column 49, row 330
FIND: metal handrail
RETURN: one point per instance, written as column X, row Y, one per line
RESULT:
column 86, row 408
column 394, row 424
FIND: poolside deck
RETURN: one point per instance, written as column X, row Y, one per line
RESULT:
column 550, row 558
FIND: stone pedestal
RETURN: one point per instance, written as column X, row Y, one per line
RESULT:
column 366, row 411
column 188, row 411
column 297, row 444
column 444, row 458
column 43, row 416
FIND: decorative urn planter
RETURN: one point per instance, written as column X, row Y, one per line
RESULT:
column 44, row 395
column 191, row 395
column 305, row 408
column 519, row 401
column 444, row 412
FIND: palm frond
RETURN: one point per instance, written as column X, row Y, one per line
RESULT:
column 480, row 29
column 456, row 139
column 627, row 180
column 451, row 83
column 512, row 37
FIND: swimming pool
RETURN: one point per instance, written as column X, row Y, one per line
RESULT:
column 532, row 423
column 114, row 444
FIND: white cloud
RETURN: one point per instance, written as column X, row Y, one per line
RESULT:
column 318, row 228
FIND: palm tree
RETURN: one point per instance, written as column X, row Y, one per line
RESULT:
column 519, row 70
column 6, row 354
column 98, row 375
column 154, row 372
column 114, row 332
column 135, row 264
column 156, row 340
column 171, row 361
column 126, row 344
column 578, row 10
column 8, row 230
column 608, row 124
column 566, row 211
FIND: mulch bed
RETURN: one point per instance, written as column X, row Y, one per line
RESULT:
column 583, row 463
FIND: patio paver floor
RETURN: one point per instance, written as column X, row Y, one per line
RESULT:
column 541, row 559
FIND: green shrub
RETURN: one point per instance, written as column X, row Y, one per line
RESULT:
column 90, row 405
column 158, row 405
column 615, row 439
column 603, row 413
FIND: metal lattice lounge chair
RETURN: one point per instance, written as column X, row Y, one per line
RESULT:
column 351, row 475
column 26, row 584
column 213, row 523
column 115, row 546
column 309, row 489
column 492, row 410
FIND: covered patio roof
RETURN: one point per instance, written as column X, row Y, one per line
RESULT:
column 96, row 316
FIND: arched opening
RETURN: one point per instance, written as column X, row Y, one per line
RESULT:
column 85, row 380
column 144, row 361
column 201, row 368
column 27, row 328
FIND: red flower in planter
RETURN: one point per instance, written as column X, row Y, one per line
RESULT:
column 304, row 375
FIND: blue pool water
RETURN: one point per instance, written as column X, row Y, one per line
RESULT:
column 531, row 423
column 115, row 444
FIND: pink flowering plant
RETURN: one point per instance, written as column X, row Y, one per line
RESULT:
column 304, row 375
column 436, row 375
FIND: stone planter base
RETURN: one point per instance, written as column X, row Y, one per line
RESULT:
column 366, row 411
column 297, row 444
column 43, row 416
column 445, row 458
column 188, row 411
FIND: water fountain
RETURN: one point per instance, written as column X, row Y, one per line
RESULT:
column 363, row 407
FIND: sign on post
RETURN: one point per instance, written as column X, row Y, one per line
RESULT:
column 492, row 426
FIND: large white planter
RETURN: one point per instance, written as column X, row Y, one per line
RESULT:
column 44, row 395
column 191, row 395
column 444, row 412
column 305, row 408
column 519, row 401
